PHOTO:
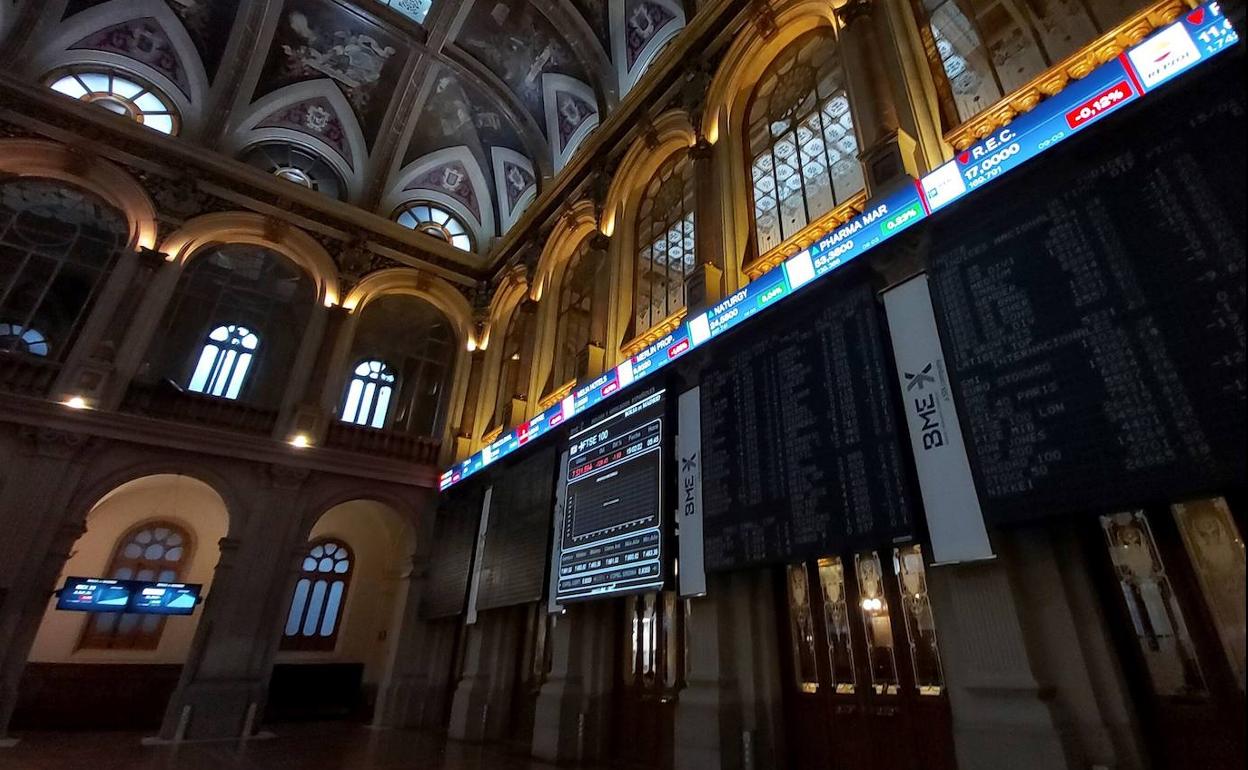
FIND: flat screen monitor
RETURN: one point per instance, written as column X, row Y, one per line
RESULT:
column 611, row 533
column 139, row 596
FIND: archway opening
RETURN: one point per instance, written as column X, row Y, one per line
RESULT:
column 343, row 615
column 117, row 670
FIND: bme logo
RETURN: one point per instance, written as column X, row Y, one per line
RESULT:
column 925, row 408
column 689, row 480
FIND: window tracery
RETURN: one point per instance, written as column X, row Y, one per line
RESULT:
column 157, row 551
column 120, row 94
column 802, row 144
column 368, row 394
column 580, row 304
column 296, row 165
column 436, row 221
column 223, row 361
column 666, row 244
column 313, row 621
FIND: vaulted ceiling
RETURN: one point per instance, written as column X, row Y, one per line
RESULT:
column 468, row 104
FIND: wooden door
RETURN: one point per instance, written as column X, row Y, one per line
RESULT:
column 864, row 683
column 1172, row 577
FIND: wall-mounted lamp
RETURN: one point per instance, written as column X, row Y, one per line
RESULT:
column 76, row 402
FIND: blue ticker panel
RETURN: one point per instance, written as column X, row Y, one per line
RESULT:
column 1200, row 34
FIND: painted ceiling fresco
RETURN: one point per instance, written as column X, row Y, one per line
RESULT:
column 500, row 104
column 322, row 39
column 208, row 22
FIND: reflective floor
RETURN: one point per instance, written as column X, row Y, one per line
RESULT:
column 325, row 746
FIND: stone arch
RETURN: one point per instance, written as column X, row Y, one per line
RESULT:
column 513, row 290
column 256, row 229
column 52, row 160
column 481, row 221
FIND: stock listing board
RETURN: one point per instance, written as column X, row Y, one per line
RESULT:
column 1095, row 328
column 1196, row 36
column 800, row 446
column 611, row 531
column 513, row 565
column 450, row 562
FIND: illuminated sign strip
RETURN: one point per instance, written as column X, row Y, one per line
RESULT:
column 1199, row 35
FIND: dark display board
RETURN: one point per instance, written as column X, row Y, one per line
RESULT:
column 800, row 442
column 450, row 562
column 1093, row 320
column 611, row 535
column 513, row 566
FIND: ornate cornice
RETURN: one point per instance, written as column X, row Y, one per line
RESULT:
column 653, row 334
column 1074, row 67
column 806, row 236
column 555, row 396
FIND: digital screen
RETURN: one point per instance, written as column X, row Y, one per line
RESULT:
column 611, row 535
column 138, row 596
column 1193, row 38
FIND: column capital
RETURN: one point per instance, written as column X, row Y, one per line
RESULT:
column 50, row 442
column 854, row 10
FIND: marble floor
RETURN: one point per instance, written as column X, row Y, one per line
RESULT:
column 322, row 746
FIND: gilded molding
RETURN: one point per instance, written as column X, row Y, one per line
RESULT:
column 556, row 396
column 1074, row 67
column 807, row 235
column 653, row 334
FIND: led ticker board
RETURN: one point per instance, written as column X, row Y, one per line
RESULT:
column 1198, row 35
column 611, row 535
column 138, row 596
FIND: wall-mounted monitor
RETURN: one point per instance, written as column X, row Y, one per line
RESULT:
column 139, row 596
column 610, row 528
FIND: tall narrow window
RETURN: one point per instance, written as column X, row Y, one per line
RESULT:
column 876, row 623
column 836, row 624
column 156, row 550
column 920, row 623
column 665, row 242
column 513, row 380
column 802, row 629
column 368, row 395
column 803, row 150
column 224, row 360
column 580, row 305
column 320, row 595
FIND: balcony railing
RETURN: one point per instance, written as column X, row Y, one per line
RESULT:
column 27, row 375
column 166, row 401
column 403, row 446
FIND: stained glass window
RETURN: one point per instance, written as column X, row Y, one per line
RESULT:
column 438, row 222
column 990, row 48
column 416, row 10
column 368, row 394
column 156, row 550
column 836, row 624
column 513, row 380
column 121, row 95
column 666, row 246
column 803, row 149
column 223, row 362
column 654, row 657
column 320, row 596
column 802, row 629
column 916, row 609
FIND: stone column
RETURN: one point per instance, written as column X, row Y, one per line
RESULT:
column 876, row 83
column 297, row 379
column 317, row 396
column 1001, row 713
column 37, row 532
column 405, row 666
column 91, row 360
column 705, row 286
column 698, row 736
column 144, row 322
column 224, row 683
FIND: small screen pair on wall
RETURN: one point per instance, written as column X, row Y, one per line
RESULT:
column 139, row 596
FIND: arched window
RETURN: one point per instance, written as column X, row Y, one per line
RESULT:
column 17, row 338
column 295, row 164
column 665, row 242
column 513, row 378
column 414, row 9
column 320, row 594
column 57, row 244
column 438, row 222
column 224, row 360
column 581, row 304
column 368, row 394
column 155, row 550
column 803, row 150
column 120, row 94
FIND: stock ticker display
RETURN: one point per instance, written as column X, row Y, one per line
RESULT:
column 801, row 447
column 1095, row 328
column 611, row 535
